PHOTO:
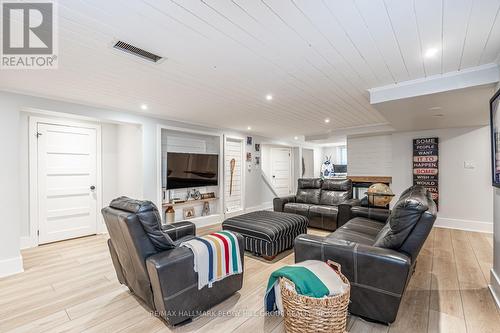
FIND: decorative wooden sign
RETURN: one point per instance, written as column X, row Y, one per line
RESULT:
column 426, row 165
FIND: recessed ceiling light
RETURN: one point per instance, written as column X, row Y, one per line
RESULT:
column 295, row 137
column 144, row 107
column 431, row 52
column 269, row 97
column 249, row 128
column 327, row 120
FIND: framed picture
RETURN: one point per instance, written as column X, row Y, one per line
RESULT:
column 495, row 138
column 249, row 157
column 257, row 147
column 208, row 195
column 188, row 212
column 206, row 209
column 249, row 140
column 257, row 160
column 426, row 165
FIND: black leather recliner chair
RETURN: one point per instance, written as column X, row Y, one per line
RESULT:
column 326, row 203
column 377, row 251
column 150, row 262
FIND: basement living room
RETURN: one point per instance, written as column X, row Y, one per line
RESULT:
column 250, row 166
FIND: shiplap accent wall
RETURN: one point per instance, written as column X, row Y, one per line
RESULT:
column 186, row 145
column 234, row 149
column 370, row 156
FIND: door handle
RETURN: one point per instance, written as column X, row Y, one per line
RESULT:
column 274, row 176
column 92, row 187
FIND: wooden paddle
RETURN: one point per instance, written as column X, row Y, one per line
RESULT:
column 233, row 165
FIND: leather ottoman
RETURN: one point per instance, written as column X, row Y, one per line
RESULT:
column 267, row 233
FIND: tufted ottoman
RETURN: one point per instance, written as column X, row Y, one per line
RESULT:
column 267, row 233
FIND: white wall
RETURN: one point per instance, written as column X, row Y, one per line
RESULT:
column 130, row 161
column 121, row 161
column 318, row 161
column 109, row 157
column 466, row 195
column 330, row 152
column 10, row 256
column 266, row 165
column 369, row 156
column 257, row 192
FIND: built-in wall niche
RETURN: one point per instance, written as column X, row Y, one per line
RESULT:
column 178, row 141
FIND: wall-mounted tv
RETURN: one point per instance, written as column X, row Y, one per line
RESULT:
column 495, row 138
column 192, row 170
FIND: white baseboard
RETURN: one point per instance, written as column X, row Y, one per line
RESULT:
column 495, row 287
column 11, row 266
column 267, row 206
column 253, row 209
column 263, row 206
column 27, row 242
column 101, row 228
column 204, row 221
column 467, row 225
column 234, row 213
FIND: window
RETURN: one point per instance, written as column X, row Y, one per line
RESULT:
column 342, row 155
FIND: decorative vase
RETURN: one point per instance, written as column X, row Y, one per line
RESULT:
column 170, row 214
column 327, row 170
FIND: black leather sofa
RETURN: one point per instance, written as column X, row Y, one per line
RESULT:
column 150, row 262
column 377, row 250
column 326, row 203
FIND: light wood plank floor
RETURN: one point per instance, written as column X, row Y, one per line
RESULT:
column 71, row 287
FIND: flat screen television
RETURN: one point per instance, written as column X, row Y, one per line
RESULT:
column 495, row 138
column 192, row 170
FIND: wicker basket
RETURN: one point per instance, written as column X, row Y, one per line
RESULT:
column 308, row 314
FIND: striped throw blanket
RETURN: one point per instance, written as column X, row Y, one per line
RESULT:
column 216, row 256
column 312, row 278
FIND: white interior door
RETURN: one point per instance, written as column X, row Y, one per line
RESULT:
column 281, row 170
column 233, row 184
column 67, row 178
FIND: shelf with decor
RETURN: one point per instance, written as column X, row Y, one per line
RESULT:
column 190, row 168
column 188, row 202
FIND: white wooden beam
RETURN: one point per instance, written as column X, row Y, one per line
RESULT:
column 476, row 76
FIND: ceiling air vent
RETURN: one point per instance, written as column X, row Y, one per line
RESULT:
column 137, row 51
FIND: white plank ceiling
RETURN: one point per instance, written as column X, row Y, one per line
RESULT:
column 317, row 58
